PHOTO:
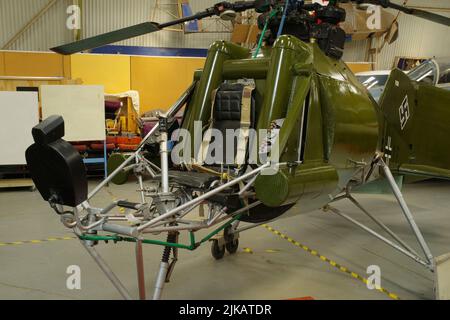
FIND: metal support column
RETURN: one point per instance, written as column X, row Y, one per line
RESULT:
column 161, row 280
column 107, row 271
column 140, row 269
column 406, row 211
column 380, row 237
column 402, row 246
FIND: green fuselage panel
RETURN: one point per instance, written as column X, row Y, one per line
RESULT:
column 416, row 128
column 330, row 121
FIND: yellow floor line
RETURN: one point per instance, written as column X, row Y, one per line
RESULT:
column 248, row 250
column 20, row 243
column 329, row 261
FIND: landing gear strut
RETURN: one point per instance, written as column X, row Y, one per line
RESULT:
column 427, row 258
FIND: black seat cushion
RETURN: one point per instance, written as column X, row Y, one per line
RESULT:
column 57, row 168
column 228, row 102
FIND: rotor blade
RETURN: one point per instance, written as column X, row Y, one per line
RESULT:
column 415, row 12
column 124, row 34
column 149, row 27
column 107, row 38
column 427, row 15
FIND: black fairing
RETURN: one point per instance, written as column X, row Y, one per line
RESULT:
column 263, row 213
column 56, row 167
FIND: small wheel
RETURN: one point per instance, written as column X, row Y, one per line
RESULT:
column 231, row 244
column 218, row 252
column 232, row 247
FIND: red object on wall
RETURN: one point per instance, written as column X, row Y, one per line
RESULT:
column 111, row 140
column 129, row 141
column 81, row 147
column 128, row 147
column 100, row 146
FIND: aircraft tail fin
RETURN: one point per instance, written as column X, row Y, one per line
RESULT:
column 416, row 130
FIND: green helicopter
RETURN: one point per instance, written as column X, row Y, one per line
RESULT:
column 304, row 132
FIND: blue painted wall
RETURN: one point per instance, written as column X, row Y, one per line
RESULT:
column 149, row 51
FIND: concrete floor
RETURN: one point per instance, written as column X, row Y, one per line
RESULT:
column 275, row 270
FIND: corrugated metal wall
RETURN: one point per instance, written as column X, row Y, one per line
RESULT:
column 122, row 13
column 45, row 33
column 355, row 51
column 99, row 16
column 417, row 37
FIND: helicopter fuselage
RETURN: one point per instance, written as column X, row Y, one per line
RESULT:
column 331, row 124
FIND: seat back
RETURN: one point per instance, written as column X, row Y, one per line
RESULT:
column 227, row 114
column 56, row 167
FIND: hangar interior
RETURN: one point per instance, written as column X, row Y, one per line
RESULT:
column 380, row 82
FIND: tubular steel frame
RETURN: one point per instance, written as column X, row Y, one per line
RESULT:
column 398, row 244
column 100, row 220
column 172, row 222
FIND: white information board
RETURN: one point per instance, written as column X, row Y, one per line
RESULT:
column 82, row 107
column 19, row 114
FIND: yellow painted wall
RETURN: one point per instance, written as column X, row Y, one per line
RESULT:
column 111, row 71
column 33, row 64
column 2, row 64
column 161, row 80
column 67, row 62
column 356, row 67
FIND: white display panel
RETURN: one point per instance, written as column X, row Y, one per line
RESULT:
column 82, row 107
column 19, row 114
